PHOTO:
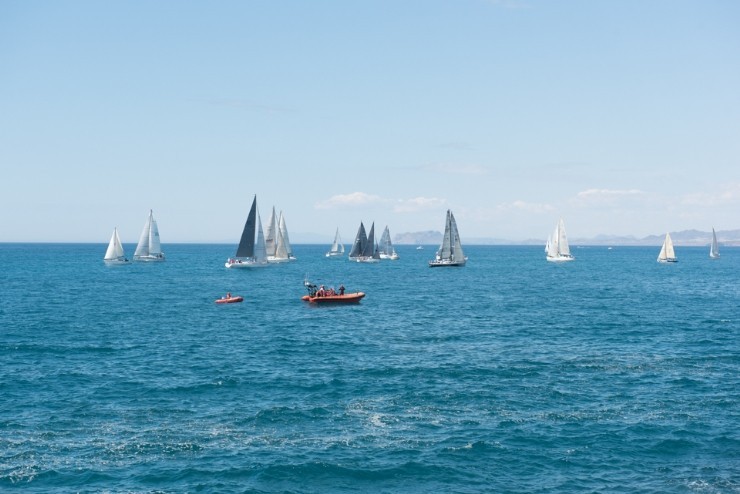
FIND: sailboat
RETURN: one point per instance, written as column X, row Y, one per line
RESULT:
column 114, row 253
column 558, row 249
column 386, row 246
column 337, row 247
column 363, row 248
column 714, row 249
column 281, row 249
column 149, row 248
column 450, row 252
column 284, row 232
column 251, row 251
column 666, row 252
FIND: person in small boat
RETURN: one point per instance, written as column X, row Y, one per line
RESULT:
column 331, row 292
column 341, row 289
column 228, row 295
column 321, row 291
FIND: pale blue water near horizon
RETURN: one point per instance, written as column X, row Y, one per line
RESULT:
column 612, row 373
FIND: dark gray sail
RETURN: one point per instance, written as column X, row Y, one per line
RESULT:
column 369, row 247
column 246, row 244
column 360, row 242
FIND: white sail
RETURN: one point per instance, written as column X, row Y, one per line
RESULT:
column 281, row 250
column 386, row 246
column 149, row 247
column 450, row 252
column 270, row 237
column 286, row 239
column 114, row 252
column 337, row 247
column 714, row 249
column 557, row 246
column 667, row 253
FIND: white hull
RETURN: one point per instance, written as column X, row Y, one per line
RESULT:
column 392, row 257
column 365, row 259
column 151, row 258
column 665, row 261
column 116, row 261
column 244, row 264
column 277, row 260
column 446, row 262
column 560, row 258
column 335, row 254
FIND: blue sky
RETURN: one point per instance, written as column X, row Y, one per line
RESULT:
column 621, row 117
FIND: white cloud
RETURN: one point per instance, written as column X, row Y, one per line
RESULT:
column 418, row 204
column 607, row 197
column 348, row 200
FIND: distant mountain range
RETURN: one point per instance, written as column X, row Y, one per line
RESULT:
column 685, row 237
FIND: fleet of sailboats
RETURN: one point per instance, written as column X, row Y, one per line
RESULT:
column 251, row 251
column 386, row 246
column 714, row 248
column 450, row 252
column 667, row 253
column 114, row 253
column 557, row 247
column 149, row 247
column 337, row 247
column 364, row 248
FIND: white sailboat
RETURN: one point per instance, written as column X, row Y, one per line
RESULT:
column 558, row 249
column 386, row 246
column 450, row 252
column 251, row 252
column 149, row 247
column 667, row 253
column 281, row 250
column 714, row 249
column 337, row 247
column 114, row 253
column 363, row 248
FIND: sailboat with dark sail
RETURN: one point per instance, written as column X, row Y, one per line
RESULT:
column 363, row 248
column 450, row 252
column 386, row 246
column 251, row 252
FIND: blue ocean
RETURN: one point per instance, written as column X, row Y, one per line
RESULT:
column 613, row 373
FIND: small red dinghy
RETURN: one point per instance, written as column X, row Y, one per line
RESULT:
column 228, row 299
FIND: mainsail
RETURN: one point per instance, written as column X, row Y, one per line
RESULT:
column 714, row 249
column 557, row 244
column 337, row 247
column 360, row 242
column 284, row 232
column 251, row 250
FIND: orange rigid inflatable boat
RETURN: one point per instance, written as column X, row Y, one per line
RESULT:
column 230, row 300
column 347, row 298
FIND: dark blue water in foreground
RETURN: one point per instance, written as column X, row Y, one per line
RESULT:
column 609, row 374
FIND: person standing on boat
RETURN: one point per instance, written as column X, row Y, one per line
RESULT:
column 341, row 289
column 321, row 291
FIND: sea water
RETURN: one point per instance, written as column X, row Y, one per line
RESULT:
column 612, row 373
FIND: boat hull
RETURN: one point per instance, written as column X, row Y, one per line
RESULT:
column 666, row 261
column 560, row 258
column 155, row 258
column 445, row 263
column 230, row 300
column 244, row 264
column 347, row 298
column 335, row 254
